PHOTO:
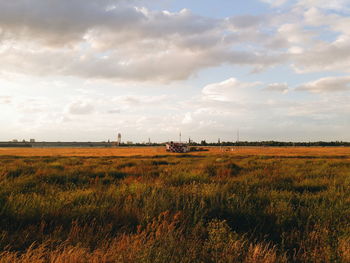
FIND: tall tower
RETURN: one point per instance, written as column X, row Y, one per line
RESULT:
column 119, row 140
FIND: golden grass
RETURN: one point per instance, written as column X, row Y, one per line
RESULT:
column 151, row 151
column 252, row 204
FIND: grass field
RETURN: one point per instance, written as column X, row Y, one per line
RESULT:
column 145, row 205
column 151, row 151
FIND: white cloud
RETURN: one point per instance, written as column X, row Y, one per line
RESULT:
column 141, row 101
column 245, row 22
column 338, row 23
column 187, row 119
column 81, row 108
column 32, row 105
column 329, row 84
column 118, row 41
column 334, row 56
column 92, row 39
column 328, row 50
column 275, row 3
column 5, row 99
column 295, row 34
column 228, row 90
column 341, row 5
column 277, row 87
column 104, row 41
column 114, row 111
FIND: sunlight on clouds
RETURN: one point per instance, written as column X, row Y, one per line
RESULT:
column 277, row 87
column 101, row 65
column 228, row 90
column 275, row 3
column 329, row 84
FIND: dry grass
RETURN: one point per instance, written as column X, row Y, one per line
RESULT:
column 151, row 151
column 268, row 205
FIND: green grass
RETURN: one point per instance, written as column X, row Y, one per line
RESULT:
column 174, row 209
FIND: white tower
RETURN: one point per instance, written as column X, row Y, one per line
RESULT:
column 119, row 140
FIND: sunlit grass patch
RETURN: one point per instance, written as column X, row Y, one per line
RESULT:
column 175, row 208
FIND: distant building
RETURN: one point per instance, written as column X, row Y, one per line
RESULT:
column 14, row 140
column 32, row 140
column 177, row 147
column 129, row 142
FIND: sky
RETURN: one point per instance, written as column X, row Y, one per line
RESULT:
column 86, row 70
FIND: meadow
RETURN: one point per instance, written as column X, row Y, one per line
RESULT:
column 251, row 205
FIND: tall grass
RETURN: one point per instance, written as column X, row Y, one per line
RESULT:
column 214, row 208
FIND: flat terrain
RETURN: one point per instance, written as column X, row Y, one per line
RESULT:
column 151, row 151
column 252, row 205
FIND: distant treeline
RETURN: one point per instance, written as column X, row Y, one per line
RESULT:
column 257, row 143
column 15, row 144
column 274, row 143
column 192, row 143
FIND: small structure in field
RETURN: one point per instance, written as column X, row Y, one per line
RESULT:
column 177, row 147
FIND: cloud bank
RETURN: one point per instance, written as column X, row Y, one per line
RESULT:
column 297, row 45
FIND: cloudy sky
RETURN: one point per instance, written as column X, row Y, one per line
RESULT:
column 84, row 70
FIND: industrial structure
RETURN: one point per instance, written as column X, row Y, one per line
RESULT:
column 177, row 147
column 119, row 139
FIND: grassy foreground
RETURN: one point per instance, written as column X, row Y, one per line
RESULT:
column 218, row 207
